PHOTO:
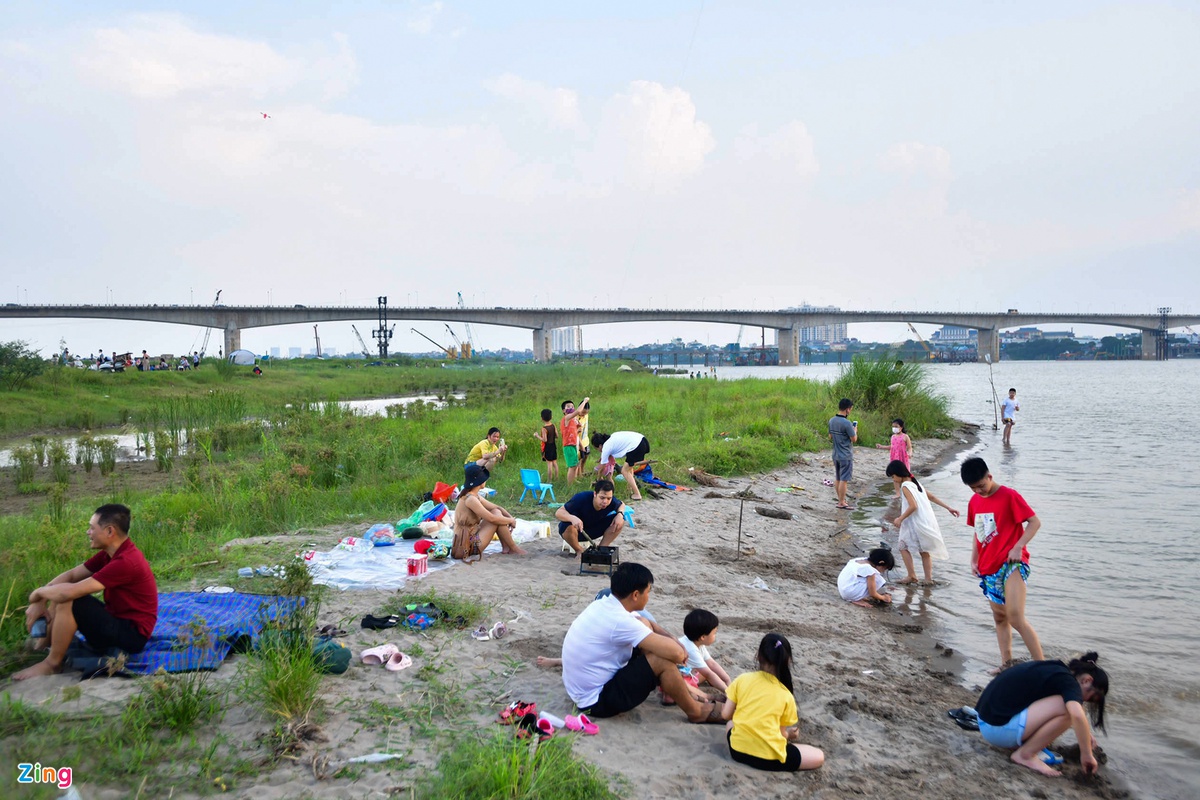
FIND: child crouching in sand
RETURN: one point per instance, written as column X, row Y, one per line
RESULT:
column 699, row 631
column 761, row 707
column 861, row 578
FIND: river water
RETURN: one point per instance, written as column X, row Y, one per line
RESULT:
column 1107, row 454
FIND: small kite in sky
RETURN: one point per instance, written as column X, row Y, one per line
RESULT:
column 265, row 115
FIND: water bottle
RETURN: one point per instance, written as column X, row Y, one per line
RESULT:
column 246, row 572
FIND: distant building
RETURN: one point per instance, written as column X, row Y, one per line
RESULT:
column 567, row 340
column 293, row 352
column 954, row 334
column 1021, row 335
column 821, row 334
column 1055, row 335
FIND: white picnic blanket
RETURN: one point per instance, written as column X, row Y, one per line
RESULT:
column 354, row 563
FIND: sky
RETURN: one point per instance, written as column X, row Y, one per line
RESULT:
column 871, row 155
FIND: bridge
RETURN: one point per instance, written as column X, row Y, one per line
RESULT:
column 541, row 321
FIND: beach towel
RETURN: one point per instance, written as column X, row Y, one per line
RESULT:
column 197, row 630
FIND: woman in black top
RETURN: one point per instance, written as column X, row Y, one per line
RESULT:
column 1026, row 707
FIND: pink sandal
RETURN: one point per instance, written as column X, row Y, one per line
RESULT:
column 379, row 655
column 582, row 724
column 398, row 661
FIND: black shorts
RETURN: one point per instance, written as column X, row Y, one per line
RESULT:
column 584, row 537
column 550, row 452
column 625, row 690
column 638, row 453
column 102, row 630
column 769, row 764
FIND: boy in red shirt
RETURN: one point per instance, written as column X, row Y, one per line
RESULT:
column 1004, row 523
column 570, row 437
column 127, row 616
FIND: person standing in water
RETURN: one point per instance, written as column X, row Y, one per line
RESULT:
column 1008, row 413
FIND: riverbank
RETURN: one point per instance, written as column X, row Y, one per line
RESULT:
column 873, row 685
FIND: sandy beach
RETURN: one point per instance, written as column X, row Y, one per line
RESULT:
column 873, row 685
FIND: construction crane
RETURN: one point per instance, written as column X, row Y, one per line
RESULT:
column 470, row 350
column 366, row 353
column 452, row 352
column 317, row 336
column 919, row 339
column 464, row 348
column 208, row 331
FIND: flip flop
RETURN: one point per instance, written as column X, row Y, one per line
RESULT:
column 1051, row 758
column 330, row 631
column 481, row 633
column 826, row 482
column 841, row 507
column 398, row 661
column 582, row 724
column 376, row 656
column 513, row 712
column 964, row 719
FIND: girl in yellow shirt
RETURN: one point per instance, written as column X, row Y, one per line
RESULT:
column 762, row 708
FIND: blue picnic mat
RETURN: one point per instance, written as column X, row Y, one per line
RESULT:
column 196, row 630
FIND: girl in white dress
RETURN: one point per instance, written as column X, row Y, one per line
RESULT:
column 918, row 526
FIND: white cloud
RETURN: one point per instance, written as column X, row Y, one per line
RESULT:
column 649, row 135
column 422, row 22
column 162, row 56
column 917, row 159
column 1187, row 209
column 790, row 146
column 559, row 106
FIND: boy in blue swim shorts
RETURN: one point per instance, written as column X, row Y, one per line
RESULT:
column 1004, row 524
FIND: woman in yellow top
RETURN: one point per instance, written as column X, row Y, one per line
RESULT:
column 762, row 707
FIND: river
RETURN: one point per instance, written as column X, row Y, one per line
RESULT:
column 1101, row 451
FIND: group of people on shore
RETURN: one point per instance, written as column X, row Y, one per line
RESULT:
column 1029, row 704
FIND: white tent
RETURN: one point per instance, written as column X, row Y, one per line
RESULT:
column 242, row 358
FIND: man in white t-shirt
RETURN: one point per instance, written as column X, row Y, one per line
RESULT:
column 612, row 659
column 630, row 445
column 1008, row 413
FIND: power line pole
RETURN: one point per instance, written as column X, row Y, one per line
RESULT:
column 1160, row 339
column 383, row 333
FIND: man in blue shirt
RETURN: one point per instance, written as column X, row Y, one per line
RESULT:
column 843, row 433
column 592, row 515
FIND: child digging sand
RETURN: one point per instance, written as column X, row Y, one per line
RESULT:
column 918, row 526
column 861, row 578
column 761, row 707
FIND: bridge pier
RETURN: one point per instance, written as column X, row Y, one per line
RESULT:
column 1150, row 346
column 789, row 346
column 988, row 343
column 543, row 349
column 233, row 338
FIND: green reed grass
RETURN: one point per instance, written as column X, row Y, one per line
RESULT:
column 496, row 765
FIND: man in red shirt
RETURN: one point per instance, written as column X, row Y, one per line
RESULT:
column 126, row 617
column 1004, row 524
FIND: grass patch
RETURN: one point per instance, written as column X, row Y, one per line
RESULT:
column 281, row 674
column 497, row 766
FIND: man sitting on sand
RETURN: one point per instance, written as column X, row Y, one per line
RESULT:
column 127, row 616
column 612, row 660
column 594, row 515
